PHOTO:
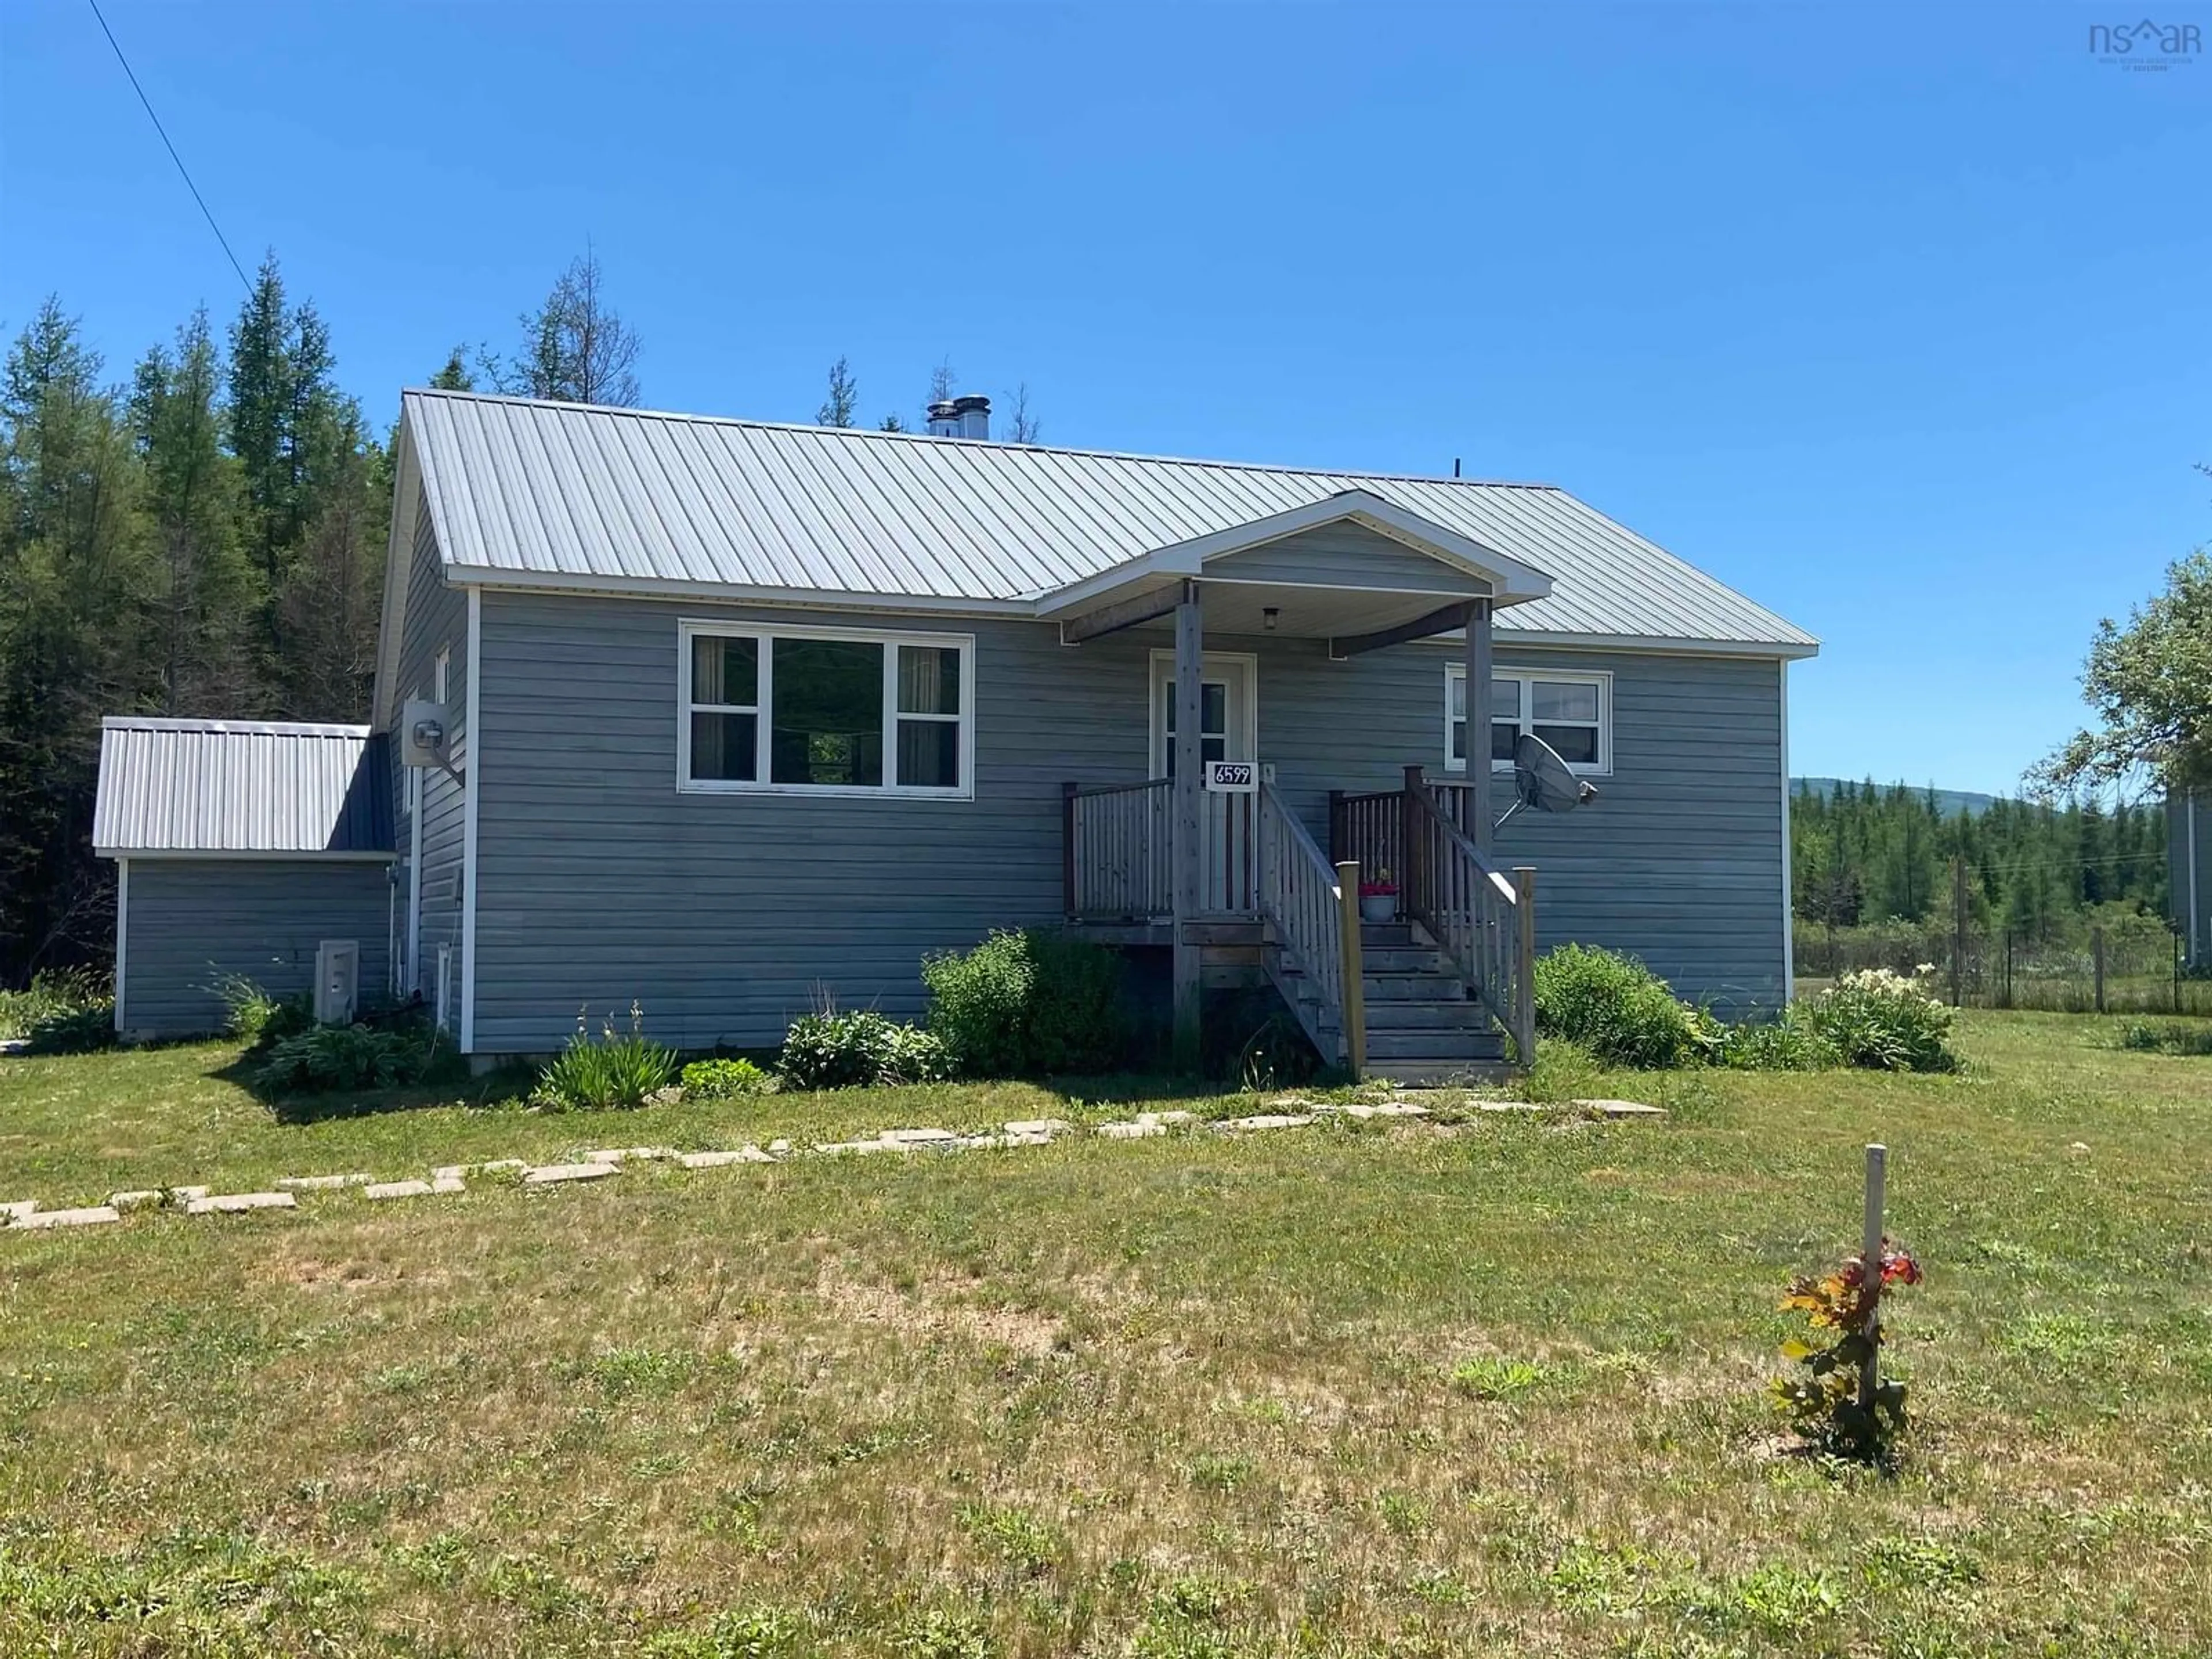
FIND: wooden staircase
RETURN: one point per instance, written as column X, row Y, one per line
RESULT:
column 1422, row 1026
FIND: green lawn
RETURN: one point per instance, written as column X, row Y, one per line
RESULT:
column 1190, row 1396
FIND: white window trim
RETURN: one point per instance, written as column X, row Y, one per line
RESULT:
column 1599, row 677
column 690, row 629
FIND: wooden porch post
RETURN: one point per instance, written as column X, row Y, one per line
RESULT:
column 1478, row 725
column 1189, row 661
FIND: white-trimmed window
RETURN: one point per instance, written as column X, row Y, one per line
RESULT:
column 1573, row 713
column 784, row 709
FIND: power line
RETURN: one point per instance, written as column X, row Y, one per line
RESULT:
column 174, row 156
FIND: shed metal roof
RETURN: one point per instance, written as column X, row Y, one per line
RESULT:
column 242, row 787
column 530, row 491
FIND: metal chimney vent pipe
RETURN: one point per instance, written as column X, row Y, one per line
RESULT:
column 974, row 416
column 945, row 419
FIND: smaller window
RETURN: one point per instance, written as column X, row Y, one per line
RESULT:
column 1572, row 713
column 442, row 676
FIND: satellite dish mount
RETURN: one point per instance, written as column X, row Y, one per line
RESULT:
column 1544, row 782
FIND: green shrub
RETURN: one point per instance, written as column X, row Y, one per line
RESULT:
column 261, row 1018
column 1027, row 1004
column 1618, row 1009
column 724, row 1079
column 80, row 1031
column 2164, row 1037
column 1787, row 1044
column 52, row 995
column 618, row 1071
column 1884, row 1021
column 858, row 1050
column 326, row 1057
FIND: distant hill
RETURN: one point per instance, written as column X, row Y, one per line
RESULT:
column 1949, row 802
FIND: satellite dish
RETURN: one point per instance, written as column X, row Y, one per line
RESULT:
column 1544, row 781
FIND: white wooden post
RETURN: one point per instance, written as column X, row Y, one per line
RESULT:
column 1877, row 1158
column 1478, row 725
column 1189, row 664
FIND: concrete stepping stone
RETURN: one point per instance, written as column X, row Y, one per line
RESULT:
column 628, row 1154
column 917, row 1137
column 16, row 1209
column 381, row 1190
column 89, row 1217
column 1137, row 1130
column 778, row 1147
column 1622, row 1108
column 861, row 1146
column 324, row 1183
column 235, row 1203
column 547, row 1175
column 1266, row 1120
column 151, row 1198
column 1363, row 1109
column 187, row 1195
column 1044, row 1127
column 720, row 1160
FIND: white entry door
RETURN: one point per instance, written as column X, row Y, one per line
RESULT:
column 1228, row 726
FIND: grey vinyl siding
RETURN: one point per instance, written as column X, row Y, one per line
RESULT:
column 191, row 921
column 1345, row 555
column 437, row 618
column 601, row 882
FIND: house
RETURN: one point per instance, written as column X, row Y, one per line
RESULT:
column 721, row 715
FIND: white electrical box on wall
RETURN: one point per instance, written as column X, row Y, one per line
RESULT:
column 337, row 981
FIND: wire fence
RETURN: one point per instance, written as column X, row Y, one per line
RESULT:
column 2132, row 966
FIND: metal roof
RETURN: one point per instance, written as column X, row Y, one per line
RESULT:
column 573, row 493
column 240, row 786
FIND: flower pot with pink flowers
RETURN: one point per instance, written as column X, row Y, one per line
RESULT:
column 1378, row 898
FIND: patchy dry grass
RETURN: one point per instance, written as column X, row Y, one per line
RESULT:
column 1341, row 1390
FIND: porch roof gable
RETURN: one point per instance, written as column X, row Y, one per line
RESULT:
column 1482, row 572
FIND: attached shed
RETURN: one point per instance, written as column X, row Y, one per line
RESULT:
column 240, row 847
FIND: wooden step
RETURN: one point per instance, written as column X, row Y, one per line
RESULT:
column 1386, row 935
column 1402, row 959
column 1455, row 1015
column 1443, row 1045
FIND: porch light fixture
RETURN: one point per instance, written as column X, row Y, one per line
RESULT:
column 1269, row 616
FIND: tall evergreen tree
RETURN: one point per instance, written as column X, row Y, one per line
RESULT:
column 206, row 597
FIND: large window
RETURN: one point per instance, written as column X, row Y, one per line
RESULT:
column 792, row 710
column 1573, row 713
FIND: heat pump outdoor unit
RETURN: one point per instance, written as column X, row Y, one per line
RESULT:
column 337, row 981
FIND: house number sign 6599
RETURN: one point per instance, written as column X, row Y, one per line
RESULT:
column 1231, row 777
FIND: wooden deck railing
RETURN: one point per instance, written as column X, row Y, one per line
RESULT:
column 1117, row 850
column 1482, row 917
column 1314, row 908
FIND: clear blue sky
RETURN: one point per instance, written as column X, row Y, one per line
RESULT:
column 1901, row 323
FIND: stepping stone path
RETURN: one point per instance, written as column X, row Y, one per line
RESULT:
column 1144, row 1124
column 86, row 1218
column 718, row 1160
column 24, row 1214
column 436, row 1186
column 235, row 1203
column 548, row 1175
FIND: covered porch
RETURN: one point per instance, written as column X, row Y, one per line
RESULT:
column 1207, row 855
